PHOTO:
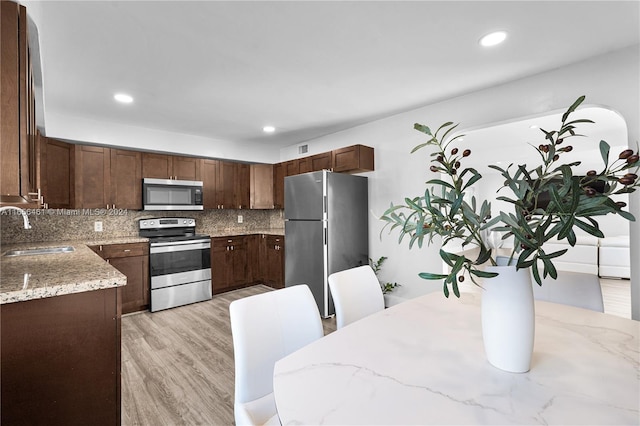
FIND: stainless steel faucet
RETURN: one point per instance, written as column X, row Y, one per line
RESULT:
column 25, row 218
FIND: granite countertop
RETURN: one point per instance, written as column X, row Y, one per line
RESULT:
column 48, row 275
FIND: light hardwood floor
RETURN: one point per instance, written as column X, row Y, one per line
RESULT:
column 177, row 365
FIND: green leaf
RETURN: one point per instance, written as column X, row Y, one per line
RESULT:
column 430, row 276
column 483, row 274
column 417, row 147
column 440, row 182
column 604, row 152
column 447, row 257
column 445, row 289
column 572, row 108
column 590, row 229
column 422, row 128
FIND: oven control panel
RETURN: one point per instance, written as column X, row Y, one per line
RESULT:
column 166, row 222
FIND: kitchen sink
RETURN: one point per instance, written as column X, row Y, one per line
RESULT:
column 37, row 251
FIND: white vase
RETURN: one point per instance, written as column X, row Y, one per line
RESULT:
column 508, row 317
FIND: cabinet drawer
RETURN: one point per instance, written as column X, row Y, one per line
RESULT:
column 124, row 250
column 237, row 241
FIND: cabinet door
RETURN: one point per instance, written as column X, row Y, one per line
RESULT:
column 254, row 253
column 17, row 123
column 356, row 158
column 210, row 172
column 292, row 167
column 261, row 177
column 135, row 295
column 92, row 176
column 159, row 166
column 321, row 162
column 239, row 256
column 126, row 179
column 186, row 168
column 275, row 261
column 278, row 186
column 56, row 177
column 304, row 165
column 221, row 269
column 227, row 184
column 243, row 187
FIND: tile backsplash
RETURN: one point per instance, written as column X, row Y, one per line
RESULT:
column 78, row 224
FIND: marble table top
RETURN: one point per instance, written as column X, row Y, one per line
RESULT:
column 423, row 362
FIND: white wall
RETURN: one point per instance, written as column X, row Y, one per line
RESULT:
column 609, row 80
column 106, row 133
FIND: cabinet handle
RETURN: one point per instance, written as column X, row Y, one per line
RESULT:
column 126, row 250
column 100, row 248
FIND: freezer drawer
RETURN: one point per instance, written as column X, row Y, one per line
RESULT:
column 178, row 295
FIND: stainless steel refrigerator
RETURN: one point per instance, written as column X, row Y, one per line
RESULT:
column 326, row 230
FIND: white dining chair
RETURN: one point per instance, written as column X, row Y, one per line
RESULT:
column 356, row 294
column 571, row 288
column 265, row 328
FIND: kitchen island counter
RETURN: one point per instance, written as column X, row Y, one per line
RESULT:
column 47, row 275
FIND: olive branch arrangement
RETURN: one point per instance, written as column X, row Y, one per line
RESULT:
column 549, row 201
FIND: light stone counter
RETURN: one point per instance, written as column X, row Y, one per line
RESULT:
column 423, row 362
column 35, row 277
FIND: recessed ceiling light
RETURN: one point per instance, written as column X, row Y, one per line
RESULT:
column 268, row 129
column 533, row 126
column 122, row 97
column 494, row 38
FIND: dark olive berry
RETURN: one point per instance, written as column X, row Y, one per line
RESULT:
column 589, row 191
column 559, row 141
column 541, row 147
column 621, row 204
column 631, row 175
column 461, row 278
column 625, row 154
column 626, row 181
column 457, row 165
column 567, row 148
column 466, row 153
column 523, row 246
column 453, row 171
column 433, row 168
column 556, row 157
column 454, row 151
column 633, row 159
column 591, row 173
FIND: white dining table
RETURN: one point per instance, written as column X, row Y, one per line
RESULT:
column 423, row 362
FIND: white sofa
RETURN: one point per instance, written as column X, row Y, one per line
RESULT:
column 613, row 258
column 583, row 257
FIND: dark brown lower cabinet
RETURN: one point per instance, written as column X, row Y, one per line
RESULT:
column 132, row 260
column 229, row 262
column 273, row 268
column 61, row 360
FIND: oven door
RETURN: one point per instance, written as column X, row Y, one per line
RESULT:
column 179, row 262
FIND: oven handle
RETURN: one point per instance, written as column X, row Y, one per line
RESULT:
column 165, row 248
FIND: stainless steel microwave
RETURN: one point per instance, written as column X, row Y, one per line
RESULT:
column 170, row 194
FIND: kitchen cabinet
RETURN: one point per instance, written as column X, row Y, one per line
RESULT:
column 229, row 262
column 278, row 186
column 243, row 186
column 274, row 261
column 107, row 178
column 61, row 360
column 57, row 178
column 163, row 166
column 321, row 162
column 219, row 184
column 92, row 177
column 353, row 159
column 126, row 179
column 18, row 133
column 261, row 186
column 304, row 165
column 132, row 260
column 291, row 167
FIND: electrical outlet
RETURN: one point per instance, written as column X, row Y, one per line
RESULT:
column 240, row 218
column 97, row 226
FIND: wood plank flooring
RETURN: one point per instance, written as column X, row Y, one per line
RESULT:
column 177, row 365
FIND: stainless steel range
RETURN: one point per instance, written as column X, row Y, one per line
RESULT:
column 179, row 262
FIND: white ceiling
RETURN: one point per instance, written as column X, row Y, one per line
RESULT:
column 223, row 70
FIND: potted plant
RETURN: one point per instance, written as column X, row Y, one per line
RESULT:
column 548, row 201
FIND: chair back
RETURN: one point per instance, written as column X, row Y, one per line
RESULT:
column 571, row 288
column 356, row 294
column 265, row 328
